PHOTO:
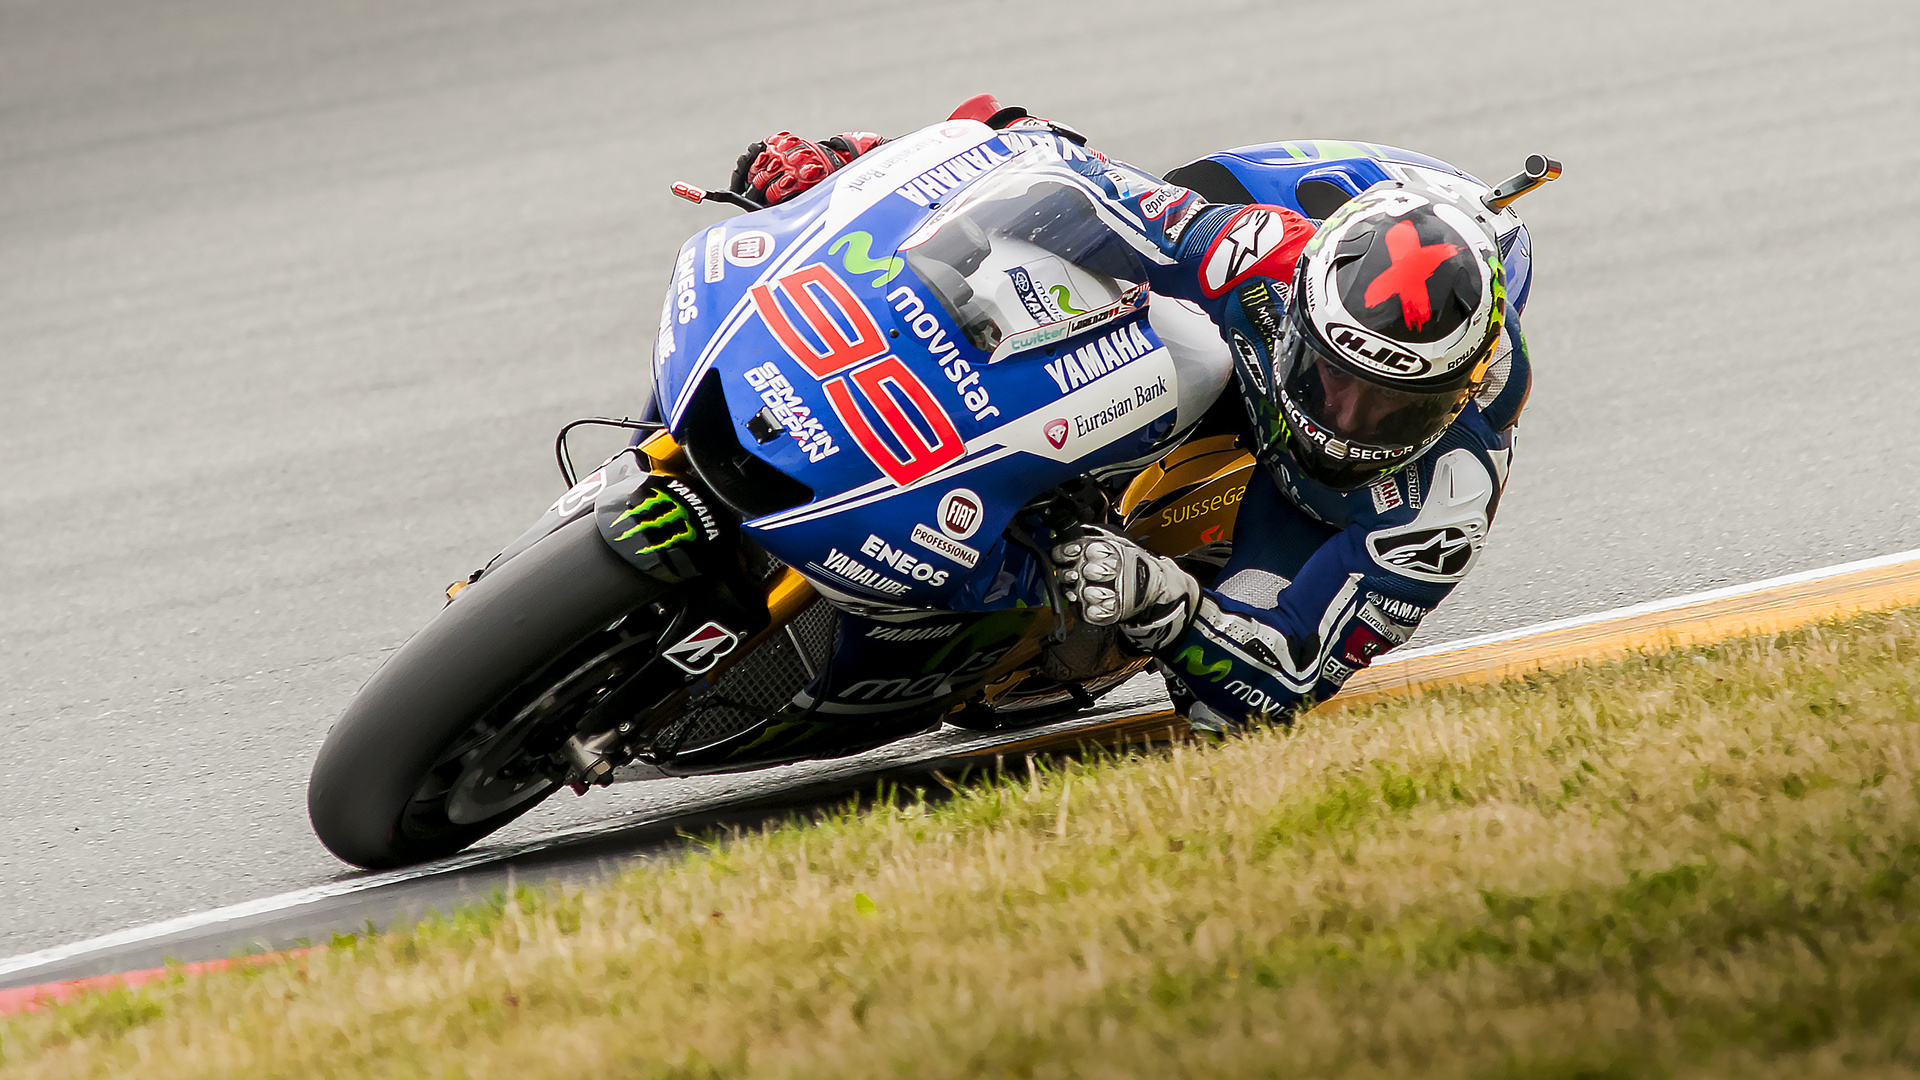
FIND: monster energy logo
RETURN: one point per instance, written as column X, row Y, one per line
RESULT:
column 1192, row 657
column 658, row 511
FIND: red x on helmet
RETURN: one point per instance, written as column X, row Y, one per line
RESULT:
column 1396, row 309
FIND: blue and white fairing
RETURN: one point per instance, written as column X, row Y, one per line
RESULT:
column 948, row 327
column 1314, row 176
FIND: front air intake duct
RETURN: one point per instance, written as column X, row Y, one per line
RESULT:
column 748, row 485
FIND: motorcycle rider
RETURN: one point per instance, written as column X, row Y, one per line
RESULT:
column 1380, row 373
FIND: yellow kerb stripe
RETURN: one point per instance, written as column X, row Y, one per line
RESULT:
column 1710, row 618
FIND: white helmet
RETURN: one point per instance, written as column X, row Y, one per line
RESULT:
column 1397, row 307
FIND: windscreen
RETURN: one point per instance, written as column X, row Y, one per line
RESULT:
column 1024, row 248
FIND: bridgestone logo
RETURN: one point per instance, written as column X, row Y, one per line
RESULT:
column 699, row 651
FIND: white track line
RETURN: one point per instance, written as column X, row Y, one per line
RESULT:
column 300, row 897
column 137, row 935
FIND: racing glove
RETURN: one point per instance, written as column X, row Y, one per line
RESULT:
column 784, row 164
column 1110, row 580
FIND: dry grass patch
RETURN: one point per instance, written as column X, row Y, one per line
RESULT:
column 1696, row 863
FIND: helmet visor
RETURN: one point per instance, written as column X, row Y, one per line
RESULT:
column 1347, row 429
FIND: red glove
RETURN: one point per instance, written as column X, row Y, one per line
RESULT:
column 784, row 165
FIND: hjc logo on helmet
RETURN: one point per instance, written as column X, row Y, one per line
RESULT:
column 1376, row 353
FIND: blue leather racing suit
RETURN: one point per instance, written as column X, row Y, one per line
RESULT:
column 1320, row 582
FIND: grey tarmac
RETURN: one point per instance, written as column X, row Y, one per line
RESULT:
column 293, row 297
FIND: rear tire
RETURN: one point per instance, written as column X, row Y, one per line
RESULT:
column 371, row 797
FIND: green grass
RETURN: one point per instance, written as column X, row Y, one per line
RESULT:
column 1701, row 863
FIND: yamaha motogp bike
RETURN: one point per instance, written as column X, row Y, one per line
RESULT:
column 874, row 406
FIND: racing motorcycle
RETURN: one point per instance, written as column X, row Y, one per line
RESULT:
column 874, row 406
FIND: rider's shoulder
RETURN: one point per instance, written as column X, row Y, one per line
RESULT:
column 1470, row 459
column 1462, row 473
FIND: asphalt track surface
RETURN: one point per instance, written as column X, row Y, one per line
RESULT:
column 292, row 298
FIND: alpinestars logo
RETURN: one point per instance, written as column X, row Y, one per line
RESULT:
column 696, row 653
column 1247, row 237
column 1437, row 554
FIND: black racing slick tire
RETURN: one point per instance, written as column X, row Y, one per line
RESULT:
column 372, row 797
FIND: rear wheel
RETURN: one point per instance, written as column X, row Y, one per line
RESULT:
column 461, row 731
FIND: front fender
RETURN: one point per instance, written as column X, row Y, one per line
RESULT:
column 577, row 503
column 667, row 527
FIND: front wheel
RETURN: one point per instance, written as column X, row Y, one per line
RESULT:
column 448, row 741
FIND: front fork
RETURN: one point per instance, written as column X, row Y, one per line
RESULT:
column 725, row 599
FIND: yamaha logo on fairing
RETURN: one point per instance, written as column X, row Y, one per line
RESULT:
column 934, row 184
column 1376, row 353
column 913, row 633
column 1038, row 306
column 1089, row 362
column 699, row 506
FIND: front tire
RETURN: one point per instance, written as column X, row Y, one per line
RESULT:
column 396, row 782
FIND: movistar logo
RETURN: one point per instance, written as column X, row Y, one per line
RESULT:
column 1063, row 299
column 1192, row 657
column 859, row 258
column 657, row 511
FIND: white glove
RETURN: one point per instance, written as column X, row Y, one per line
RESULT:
column 1111, row 580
